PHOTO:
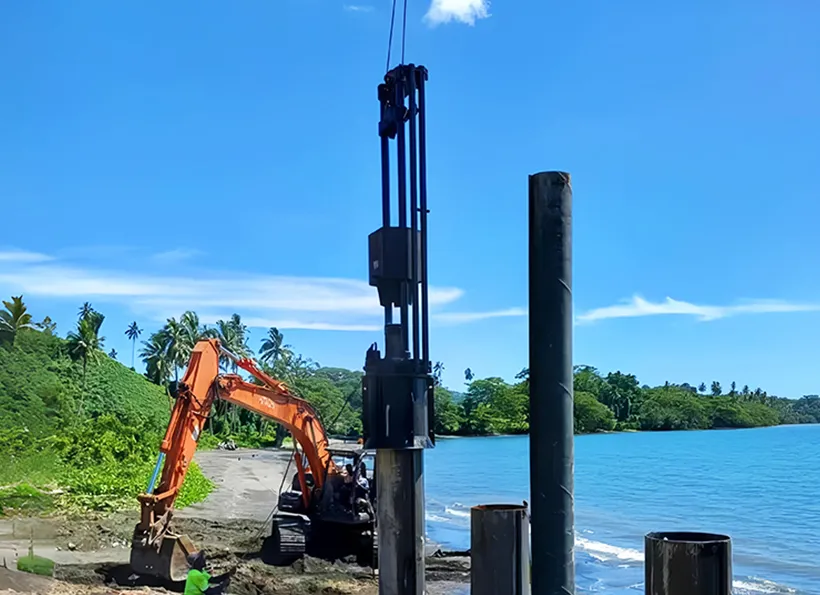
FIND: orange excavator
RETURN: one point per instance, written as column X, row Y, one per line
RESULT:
column 318, row 513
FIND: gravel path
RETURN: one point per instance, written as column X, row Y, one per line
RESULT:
column 247, row 483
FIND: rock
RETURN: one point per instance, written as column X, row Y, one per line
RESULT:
column 71, row 546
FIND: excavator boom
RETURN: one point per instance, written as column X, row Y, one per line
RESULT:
column 155, row 549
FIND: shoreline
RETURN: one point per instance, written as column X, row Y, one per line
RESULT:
column 629, row 431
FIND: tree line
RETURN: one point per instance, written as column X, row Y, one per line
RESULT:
column 617, row 402
column 603, row 402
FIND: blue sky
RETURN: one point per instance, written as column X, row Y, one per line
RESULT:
column 223, row 157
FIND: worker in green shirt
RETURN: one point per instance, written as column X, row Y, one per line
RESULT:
column 200, row 582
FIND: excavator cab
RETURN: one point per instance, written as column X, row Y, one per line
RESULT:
column 351, row 496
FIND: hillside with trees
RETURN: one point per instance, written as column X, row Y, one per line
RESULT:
column 78, row 421
column 78, row 430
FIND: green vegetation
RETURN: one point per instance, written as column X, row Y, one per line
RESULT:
column 334, row 392
column 617, row 401
column 489, row 406
column 80, row 431
column 36, row 565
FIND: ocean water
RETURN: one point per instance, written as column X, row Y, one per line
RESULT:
column 760, row 486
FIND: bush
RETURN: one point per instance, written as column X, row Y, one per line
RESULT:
column 591, row 415
column 24, row 498
column 673, row 409
column 101, row 464
column 36, row 565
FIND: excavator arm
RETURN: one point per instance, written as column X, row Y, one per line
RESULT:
column 155, row 549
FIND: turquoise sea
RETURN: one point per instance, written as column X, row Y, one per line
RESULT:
column 760, row 486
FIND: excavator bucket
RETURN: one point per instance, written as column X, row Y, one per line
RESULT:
column 170, row 562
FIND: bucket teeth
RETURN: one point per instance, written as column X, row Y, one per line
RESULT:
column 169, row 562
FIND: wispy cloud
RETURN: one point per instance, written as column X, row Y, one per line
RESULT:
column 318, row 303
column 462, row 317
column 463, row 11
column 22, row 256
column 638, row 306
column 282, row 323
column 176, row 256
column 358, row 8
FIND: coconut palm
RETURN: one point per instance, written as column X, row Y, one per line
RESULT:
column 112, row 354
column 47, row 325
column 241, row 333
column 156, row 357
column 14, row 318
column 175, row 333
column 86, row 343
column 192, row 332
column 133, row 332
column 438, row 369
column 273, row 348
column 232, row 334
column 85, row 310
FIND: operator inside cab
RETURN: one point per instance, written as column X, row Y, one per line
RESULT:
column 200, row 582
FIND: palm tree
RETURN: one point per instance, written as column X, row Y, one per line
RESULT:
column 192, row 332
column 438, row 368
column 157, row 361
column 85, row 343
column 85, row 310
column 241, row 334
column 175, row 334
column 112, row 354
column 14, row 318
column 47, row 325
column 232, row 335
column 273, row 348
column 133, row 332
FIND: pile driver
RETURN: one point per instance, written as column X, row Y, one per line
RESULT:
column 398, row 406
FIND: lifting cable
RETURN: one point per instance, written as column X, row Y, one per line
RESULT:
column 403, row 33
column 267, row 523
column 352, row 394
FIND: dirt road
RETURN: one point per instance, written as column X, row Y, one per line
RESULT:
column 230, row 524
column 247, row 483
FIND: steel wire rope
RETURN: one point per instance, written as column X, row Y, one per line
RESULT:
column 268, row 520
column 390, row 38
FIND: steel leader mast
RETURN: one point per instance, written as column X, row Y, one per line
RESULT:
column 397, row 389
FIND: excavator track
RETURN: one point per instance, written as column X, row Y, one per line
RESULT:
column 369, row 553
column 288, row 539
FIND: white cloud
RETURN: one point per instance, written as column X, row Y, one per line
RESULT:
column 318, row 303
column 257, row 322
column 22, row 256
column 462, row 317
column 175, row 256
column 464, row 11
column 638, row 306
column 358, row 8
